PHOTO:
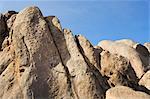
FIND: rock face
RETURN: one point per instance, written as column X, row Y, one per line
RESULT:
column 145, row 80
column 147, row 45
column 40, row 60
column 3, row 29
column 122, row 92
column 125, row 51
column 117, row 69
column 127, row 42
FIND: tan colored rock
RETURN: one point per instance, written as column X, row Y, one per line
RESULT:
column 75, row 63
column 89, row 51
column 147, row 45
column 6, row 58
column 145, row 80
column 122, row 92
column 56, row 23
column 127, row 42
column 117, row 69
column 58, row 37
column 47, row 62
column 125, row 51
column 142, row 50
column 60, row 43
column 10, row 21
column 87, row 83
column 32, row 73
column 39, row 60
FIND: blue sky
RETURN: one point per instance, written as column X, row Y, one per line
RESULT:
column 95, row 19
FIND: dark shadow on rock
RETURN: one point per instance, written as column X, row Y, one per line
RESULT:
column 101, row 81
column 61, row 46
column 141, row 88
column 97, row 52
column 3, row 30
column 59, row 39
column 142, row 50
column 144, row 55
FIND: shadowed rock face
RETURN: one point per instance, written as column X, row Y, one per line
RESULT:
column 40, row 60
column 3, row 29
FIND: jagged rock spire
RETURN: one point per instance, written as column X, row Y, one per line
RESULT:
column 41, row 60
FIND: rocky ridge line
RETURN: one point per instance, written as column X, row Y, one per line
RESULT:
column 40, row 60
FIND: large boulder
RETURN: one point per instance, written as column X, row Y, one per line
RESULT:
column 145, row 80
column 40, row 60
column 125, row 51
column 122, row 92
column 142, row 50
column 127, row 42
column 117, row 69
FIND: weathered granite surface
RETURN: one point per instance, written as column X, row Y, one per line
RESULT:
column 41, row 60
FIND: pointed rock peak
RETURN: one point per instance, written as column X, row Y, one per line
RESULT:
column 54, row 22
column 39, row 60
column 30, row 10
column 83, row 39
column 67, row 31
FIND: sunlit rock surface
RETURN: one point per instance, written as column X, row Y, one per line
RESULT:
column 41, row 60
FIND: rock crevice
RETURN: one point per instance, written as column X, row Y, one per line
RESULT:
column 41, row 60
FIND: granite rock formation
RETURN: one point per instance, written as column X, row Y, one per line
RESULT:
column 41, row 60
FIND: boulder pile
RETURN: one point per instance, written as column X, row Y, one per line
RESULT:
column 41, row 60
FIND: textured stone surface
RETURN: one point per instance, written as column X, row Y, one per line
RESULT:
column 41, row 60
column 10, row 21
column 89, row 51
column 128, row 42
column 33, row 63
column 117, row 69
column 145, row 80
column 122, row 92
column 125, row 51
column 89, row 83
